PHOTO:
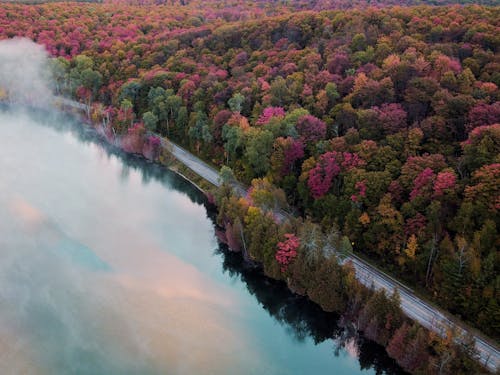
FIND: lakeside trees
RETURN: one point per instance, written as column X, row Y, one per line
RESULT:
column 380, row 124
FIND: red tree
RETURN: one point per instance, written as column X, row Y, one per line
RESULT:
column 269, row 113
column 133, row 141
column 287, row 250
column 483, row 114
column 329, row 165
column 392, row 117
column 445, row 181
column 311, row 129
column 292, row 153
column 422, row 184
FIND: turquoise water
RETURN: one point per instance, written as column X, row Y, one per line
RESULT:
column 110, row 265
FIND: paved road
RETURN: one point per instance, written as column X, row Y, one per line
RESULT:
column 209, row 173
column 192, row 162
column 414, row 307
column 417, row 309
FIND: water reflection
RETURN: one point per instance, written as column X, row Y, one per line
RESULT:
column 304, row 319
column 107, row 267
column 86, row 135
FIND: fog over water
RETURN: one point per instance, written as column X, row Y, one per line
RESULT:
column 82, row 282
column 24, row 72
column 109, row 265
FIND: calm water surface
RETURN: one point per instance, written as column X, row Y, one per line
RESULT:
column 110, row 265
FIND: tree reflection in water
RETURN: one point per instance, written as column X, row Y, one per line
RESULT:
column 300, row 317
column 303, row 318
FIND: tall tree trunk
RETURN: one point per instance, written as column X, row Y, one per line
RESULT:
column 431, row 259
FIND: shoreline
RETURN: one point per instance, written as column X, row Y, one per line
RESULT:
column 174, row 167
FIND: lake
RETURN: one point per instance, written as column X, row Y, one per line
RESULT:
column 110, row 264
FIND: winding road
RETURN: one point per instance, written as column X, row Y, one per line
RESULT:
column 414, row 307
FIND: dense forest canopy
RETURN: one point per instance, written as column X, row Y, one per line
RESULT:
column 290, row 4
column 381, row 123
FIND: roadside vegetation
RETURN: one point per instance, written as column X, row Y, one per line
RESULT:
column 379, row 127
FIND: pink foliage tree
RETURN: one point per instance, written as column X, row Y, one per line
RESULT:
column 133, row 141
column 287, row 250
column 269, row 113
column 338, row 63
column 416, row 164
column 422, row 184
column 361, row 188
column 311, row 129
column 483, row 114
column 392, row 117
column 322, row 175
column 329, row 166
column 445, row 181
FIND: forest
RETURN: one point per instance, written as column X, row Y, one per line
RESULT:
column 379, row 127
column 270, row 4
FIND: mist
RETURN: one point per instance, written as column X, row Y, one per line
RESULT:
column 24, row 72
column 106, row 265
column 66, row 304
column 90, row 282
column 61, row 309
